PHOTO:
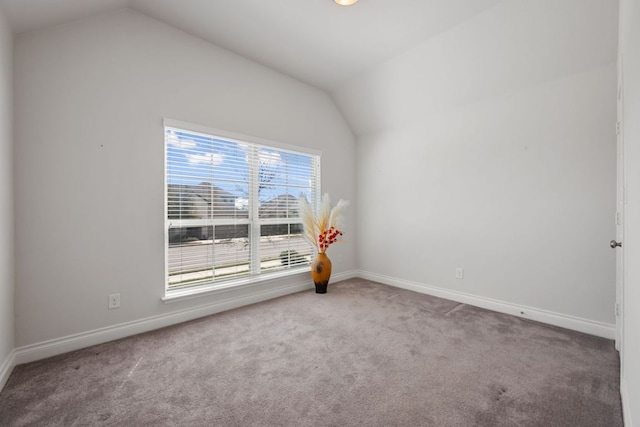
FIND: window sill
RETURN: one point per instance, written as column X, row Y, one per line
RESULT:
column 178, row 295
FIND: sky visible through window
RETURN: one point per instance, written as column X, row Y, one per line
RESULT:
column 193, row 159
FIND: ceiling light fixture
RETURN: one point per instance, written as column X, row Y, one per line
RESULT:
column 345, row 2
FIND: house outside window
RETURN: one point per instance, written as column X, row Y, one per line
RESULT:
column 231, row 211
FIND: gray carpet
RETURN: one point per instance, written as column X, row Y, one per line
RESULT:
column 364, row 354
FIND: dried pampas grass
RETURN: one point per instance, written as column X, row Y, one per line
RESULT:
column 324, row 228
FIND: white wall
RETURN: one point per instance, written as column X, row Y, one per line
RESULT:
column 6, row 198
column 630, row 355
column 90, row 99
column 492, row 148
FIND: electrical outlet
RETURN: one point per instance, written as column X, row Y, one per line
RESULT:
column 459, row 273
column 114, row 301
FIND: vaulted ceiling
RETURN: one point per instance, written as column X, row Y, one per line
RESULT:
column 315, row 41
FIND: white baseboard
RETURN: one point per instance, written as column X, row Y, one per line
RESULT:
column 6, row 367
column 352, row 274
column 42, row 350
column 587, row 326
column 626, row 411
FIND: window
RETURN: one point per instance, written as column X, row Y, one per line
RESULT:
column 232, row 207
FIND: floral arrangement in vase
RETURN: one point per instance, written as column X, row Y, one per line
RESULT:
column 322, row 229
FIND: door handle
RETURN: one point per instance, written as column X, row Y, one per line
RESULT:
column 615, row 244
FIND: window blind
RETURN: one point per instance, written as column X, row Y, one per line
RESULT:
column 232, row 208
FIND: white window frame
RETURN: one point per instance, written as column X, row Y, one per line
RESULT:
column 254, row 222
